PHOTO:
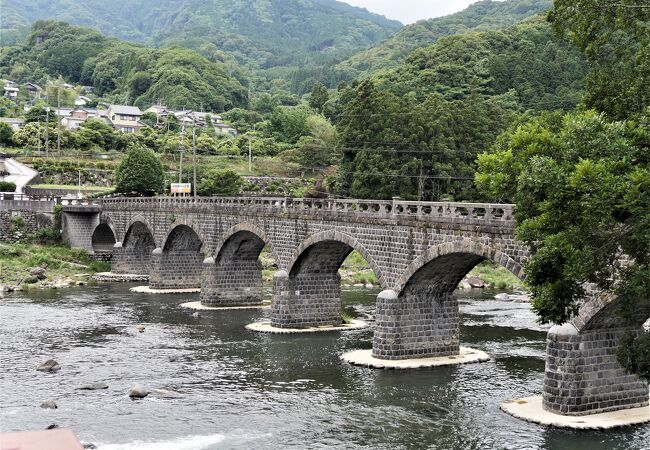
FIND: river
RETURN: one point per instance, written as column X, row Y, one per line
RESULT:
column 238, row 390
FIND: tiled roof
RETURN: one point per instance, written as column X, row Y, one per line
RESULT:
column 126, row 110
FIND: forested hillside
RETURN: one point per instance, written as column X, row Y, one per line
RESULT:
column 416, row 130
column 260, row 33
column 481, row 16
column 123, row 72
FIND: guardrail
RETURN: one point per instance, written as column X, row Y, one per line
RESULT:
column 57, row 199
column 397, row 208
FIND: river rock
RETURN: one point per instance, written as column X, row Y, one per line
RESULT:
column 503, row 297
column 464, row 285
column 38, row 272
column 138, row 392
column 93, row 387
column 89, row 445
column 49, row 404
column 52, row 426
column 476, row 282
column 196, row 315
column 49, row 366
column 141, row 328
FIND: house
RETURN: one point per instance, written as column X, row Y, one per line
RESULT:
column 125, row 118
column 224, row 128
column 11, row 92
column 74, row 120
column 189, row 118
column 15, row 124
column 34, row 89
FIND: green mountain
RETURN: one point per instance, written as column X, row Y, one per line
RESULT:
column 481, row 16
column 260, row 33
column 121, row 71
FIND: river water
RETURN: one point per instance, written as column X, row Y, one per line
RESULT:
column 233, row 389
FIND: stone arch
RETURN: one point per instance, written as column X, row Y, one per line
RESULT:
column 242, row 228
column 475, row 251
column 182, row 237
column 421, row 317
column 133, row 254
column 233, row 276
column 142, row 220
column 308, row 294
column 103, row 238
column 187, row 224
column 341, row 238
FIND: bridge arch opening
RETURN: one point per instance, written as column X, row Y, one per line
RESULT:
column 423, row 320
column 310, row 293
column 135, row 255
column 103, row 240
column 178, row 265
column 235, row 275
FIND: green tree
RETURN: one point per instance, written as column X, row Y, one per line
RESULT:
column 582, row 189
column 615, row 37
column 6, row 132
column 319, row 96
column 220, row 182
column 140, row 172
column 38, row 113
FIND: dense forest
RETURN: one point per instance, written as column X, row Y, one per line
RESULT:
column 259, row 33
column 424, row 122
column 481, row 16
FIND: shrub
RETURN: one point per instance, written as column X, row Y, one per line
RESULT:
column 220, row 182
column 46, row 236
column 7, row 186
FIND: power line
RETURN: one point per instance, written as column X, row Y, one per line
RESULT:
column 393, row 175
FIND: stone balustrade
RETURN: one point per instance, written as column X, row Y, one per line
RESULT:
column 479, row 213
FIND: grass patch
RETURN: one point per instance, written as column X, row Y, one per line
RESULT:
column 60, row 261
column 496, row 276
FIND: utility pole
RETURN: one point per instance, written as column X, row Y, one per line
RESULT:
column 58, row 121
column 47, row 121
column 181, row 150
column 194, row 155
column 39, row 136
column 250, row 154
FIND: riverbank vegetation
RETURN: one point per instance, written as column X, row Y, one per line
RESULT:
column 28, row 265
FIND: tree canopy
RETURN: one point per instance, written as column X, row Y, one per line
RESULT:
column 140, row 172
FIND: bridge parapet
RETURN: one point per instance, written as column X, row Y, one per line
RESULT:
column 433, row 212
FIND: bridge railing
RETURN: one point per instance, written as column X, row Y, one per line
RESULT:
column 397, row 208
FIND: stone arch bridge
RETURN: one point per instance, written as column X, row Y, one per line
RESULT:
column 418, row 251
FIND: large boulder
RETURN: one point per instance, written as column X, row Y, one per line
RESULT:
column 38, row 272
column 49, row 366
column 476, row 282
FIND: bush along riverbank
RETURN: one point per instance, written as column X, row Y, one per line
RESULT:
column 31, row 266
